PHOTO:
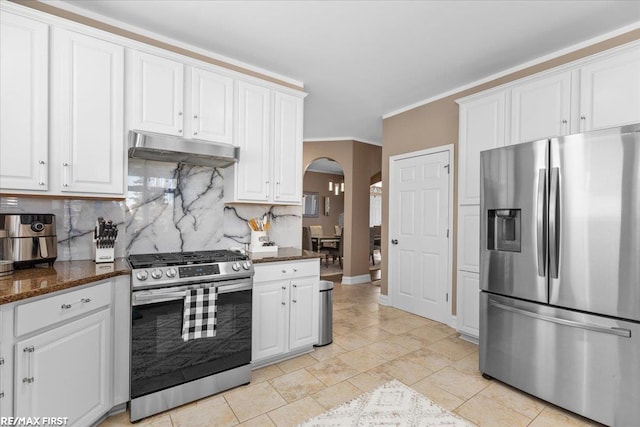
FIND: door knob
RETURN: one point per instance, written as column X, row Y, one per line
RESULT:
column 394, row 241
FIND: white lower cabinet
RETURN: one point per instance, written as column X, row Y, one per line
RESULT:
column 66, row 354
column 270, row 309
column 64, row 372
column 285, row 309
column 468, row 310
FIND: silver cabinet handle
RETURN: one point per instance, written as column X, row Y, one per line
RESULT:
column 68, row 306
column 394, row 241
column 41, row 169
column 277, row 190
column 65, row 174
column 295, row 295
column 284, row 288
column 621, row 332
column 195, row 132
column 195, row 116
column 267, row 184
column 1, row 376
column 29, row 378
column 179, row 113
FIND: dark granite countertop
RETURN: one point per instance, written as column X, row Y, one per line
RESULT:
column 284, row 254
column 40, row 280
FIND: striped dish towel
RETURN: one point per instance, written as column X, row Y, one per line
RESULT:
column 199, row 319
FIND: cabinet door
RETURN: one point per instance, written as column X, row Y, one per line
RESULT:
column 211, row 106
column 24, row 103
column 65, row 372
column 468, row 313
column 482, row 127
column 287, row 149
column 270, row 317
column 157, row 94
column 303, row 322
column 469, row 238
column 254, row 139
column 541, row 109
column 610, row 91
column 90, row 113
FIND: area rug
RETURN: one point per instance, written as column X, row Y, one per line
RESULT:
column 391, row 404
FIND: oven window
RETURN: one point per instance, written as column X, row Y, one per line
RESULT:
column 161, row 359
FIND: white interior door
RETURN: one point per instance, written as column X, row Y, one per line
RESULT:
column 419, row 210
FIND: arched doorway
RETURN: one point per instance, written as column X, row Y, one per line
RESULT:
column 323, row 211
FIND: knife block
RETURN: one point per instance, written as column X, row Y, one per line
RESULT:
column 103, row 254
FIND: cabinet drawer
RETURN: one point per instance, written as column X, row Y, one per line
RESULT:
column 48, row 311
column 286, row 270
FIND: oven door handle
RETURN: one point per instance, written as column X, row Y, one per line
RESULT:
column 152, row 296
column 147, row 297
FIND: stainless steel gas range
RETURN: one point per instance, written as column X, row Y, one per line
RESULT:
column 170, row 364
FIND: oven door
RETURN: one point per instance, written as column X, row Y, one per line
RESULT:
column 160, row 359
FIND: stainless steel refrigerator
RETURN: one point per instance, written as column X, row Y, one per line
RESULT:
column 560, row 271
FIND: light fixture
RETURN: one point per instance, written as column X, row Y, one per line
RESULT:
column 336, row 187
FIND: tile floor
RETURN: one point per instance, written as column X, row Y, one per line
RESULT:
column 372, row 344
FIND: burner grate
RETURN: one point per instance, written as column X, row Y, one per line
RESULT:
column 184, row 258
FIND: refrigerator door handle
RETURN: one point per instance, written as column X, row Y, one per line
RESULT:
column 541, row 222
column 554, row 250
column 621, row 332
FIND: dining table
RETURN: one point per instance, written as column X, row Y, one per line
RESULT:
column 319, row 241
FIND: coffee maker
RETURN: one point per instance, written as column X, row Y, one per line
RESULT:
column 31, row 238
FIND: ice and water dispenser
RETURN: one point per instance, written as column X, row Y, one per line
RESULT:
column 503, row 230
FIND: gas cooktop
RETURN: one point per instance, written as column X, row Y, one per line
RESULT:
column 175, row 268
column 168, row 259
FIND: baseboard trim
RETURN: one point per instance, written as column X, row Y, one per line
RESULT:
column 384, row 300
column 356, row 280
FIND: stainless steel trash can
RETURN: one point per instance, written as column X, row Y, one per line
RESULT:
column 325, row 333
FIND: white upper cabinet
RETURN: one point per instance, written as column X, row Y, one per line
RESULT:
column 482, row 127
column 269, row 134
column 287, row 148
column 211, row 106
column 24, row 105
column 89, row 107
column 610, row 91
column 158, row 86
column 541, row 109
column 160, row 103
column 253, row 171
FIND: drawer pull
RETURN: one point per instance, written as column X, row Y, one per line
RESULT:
column 68, row 306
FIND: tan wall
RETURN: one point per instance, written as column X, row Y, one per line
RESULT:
column 359, row 162
column 436, row 124
column 319, row 183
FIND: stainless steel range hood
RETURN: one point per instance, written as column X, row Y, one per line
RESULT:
column 174, row 149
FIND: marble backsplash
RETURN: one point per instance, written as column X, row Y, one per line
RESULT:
column 169, row 208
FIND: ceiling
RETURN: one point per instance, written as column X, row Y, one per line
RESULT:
column 359, row 60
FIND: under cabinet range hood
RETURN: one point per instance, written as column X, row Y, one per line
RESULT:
column 174, row 149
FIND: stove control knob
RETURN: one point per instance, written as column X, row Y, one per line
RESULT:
column 156, row 274
column 235, row 266
column 171, row 273
column 246, row 265
column 142, row 275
